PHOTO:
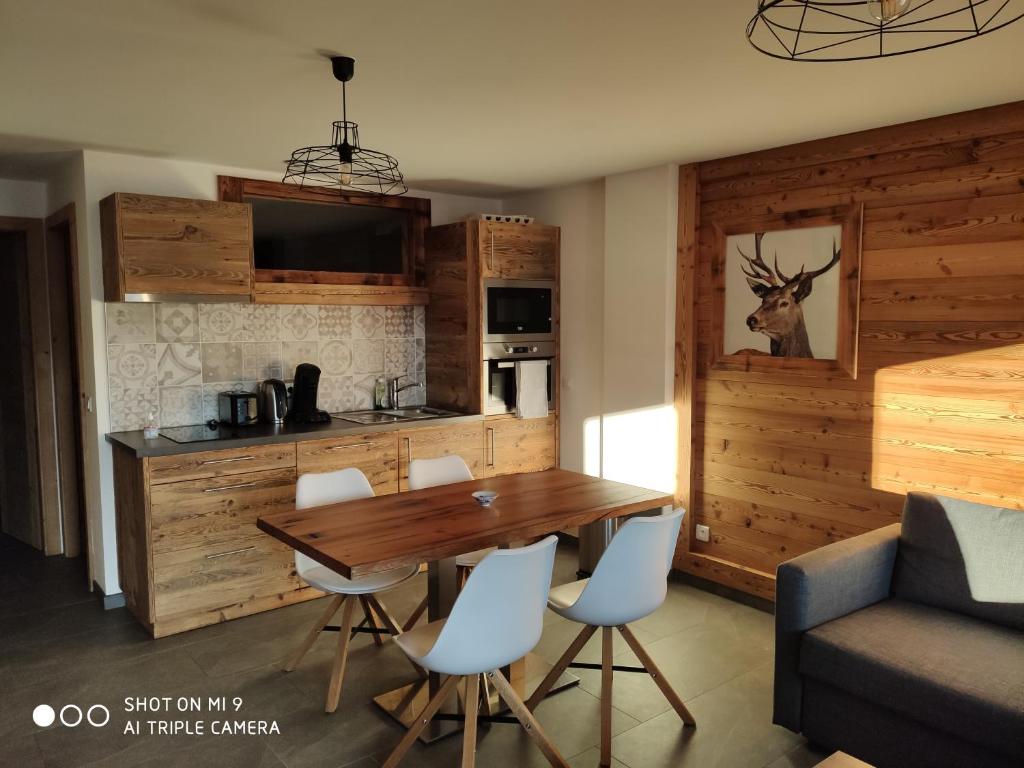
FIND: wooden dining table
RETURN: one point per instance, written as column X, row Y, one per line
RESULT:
column 434, row 526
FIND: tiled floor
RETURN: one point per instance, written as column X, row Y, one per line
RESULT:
column 58, row 647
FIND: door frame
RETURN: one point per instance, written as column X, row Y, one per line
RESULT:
column 72, row 523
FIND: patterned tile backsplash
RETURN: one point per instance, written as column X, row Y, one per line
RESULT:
column 173, row 359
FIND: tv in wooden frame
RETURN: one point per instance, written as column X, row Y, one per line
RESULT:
column 787, row 293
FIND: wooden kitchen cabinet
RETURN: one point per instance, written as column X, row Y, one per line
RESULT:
column 156, row 247
column 374, row 454
column 465, row 440
column 514, row 445
column 189, row 553
column 518, row 251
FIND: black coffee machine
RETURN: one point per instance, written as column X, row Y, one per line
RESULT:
column 304, row 389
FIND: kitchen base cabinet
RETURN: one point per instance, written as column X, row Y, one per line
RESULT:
column 189, row 551
column 375, row 454
column 465, row 440
column 514, row 445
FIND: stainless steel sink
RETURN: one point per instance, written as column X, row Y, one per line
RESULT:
column 417, row 413
column 420, row 412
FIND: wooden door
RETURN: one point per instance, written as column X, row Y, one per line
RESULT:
column 514, row 445
column 518, row 251
column 465, row 440
column 374, row 454
column 175, row 246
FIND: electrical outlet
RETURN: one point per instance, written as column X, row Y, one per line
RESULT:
column 703, row 533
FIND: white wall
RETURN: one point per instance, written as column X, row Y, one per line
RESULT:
column 104, row 174
column 618, row 305
column 639, row 426
column 23, row 199
column 579, row 211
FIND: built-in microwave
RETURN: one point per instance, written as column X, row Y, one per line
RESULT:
column 518, row 309
column 500, row 361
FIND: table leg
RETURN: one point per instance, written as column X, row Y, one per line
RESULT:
column 405, row 704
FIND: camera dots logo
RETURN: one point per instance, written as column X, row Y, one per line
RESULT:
column 71, row 715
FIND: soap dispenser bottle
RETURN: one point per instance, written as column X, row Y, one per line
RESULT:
column 380, row 394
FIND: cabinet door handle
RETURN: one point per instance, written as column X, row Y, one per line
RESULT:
column 228, row 487
column 225, row 461
column 408, row 450
column 232, row 552
column 490, row 431
column 351, row 445
column 490, row 253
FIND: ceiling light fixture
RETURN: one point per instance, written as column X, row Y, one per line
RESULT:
column 344, row 163
column 851, row 30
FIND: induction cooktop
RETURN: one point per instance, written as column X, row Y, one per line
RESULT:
column 199, row 433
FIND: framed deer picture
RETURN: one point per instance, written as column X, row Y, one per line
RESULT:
column 787, row 294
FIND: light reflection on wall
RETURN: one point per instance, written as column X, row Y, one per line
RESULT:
column 638, row 447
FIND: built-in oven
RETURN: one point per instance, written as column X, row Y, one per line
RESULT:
column 518, row 309
column 500, row 361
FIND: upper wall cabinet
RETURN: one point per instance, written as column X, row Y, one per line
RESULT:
column 323, row 246
column 518, row 251
column 157, row 248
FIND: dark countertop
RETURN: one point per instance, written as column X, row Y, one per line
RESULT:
column 268, row 434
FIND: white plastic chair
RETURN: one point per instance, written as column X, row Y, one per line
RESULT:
column 315, row 490
column 497, row 618
column 428, row 473
column 629, row 583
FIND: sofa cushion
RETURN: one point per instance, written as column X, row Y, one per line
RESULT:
column 942, row 669
column 962, row 556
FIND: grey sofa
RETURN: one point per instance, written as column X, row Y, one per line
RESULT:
column 905, row 646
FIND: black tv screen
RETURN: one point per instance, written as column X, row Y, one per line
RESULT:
column 324, row 237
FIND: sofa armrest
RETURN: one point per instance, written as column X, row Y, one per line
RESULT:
column 818, row 587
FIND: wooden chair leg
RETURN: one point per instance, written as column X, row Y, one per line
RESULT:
column 392, row 626
column 340, row 657
column 461, row 576
column 607, row 675
column 485, row 696
column 526, row 719
column 307, row 643
column 469, row 725
column 424, row 719
column 560, row 666
column 371, row 619
column 415, row 615
column 659, row 679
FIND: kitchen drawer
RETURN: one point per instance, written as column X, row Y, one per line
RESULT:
column 204, row 578
column 375, row 454
column 233, row 461
column 217, row 511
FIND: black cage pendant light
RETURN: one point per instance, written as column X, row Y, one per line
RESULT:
column 344, row 163
column 850, row 30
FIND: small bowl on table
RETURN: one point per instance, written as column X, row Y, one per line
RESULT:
column 485, row 498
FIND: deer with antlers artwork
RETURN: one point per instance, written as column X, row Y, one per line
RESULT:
column 780, row 316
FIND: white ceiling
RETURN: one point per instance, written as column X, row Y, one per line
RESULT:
column 471, row 96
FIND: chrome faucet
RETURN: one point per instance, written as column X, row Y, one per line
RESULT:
column 394, row 389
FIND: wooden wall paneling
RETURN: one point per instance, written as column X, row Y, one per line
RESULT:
column 931, row 185
column 784, row 463
column 972, row 125
column 686, row 348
